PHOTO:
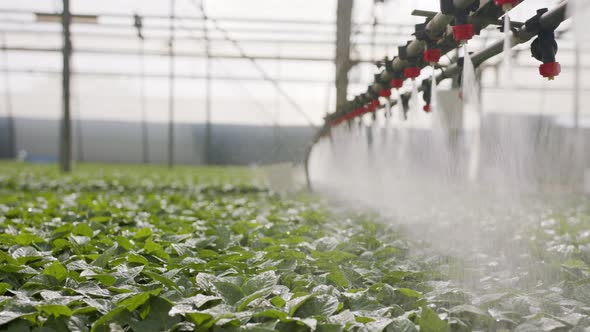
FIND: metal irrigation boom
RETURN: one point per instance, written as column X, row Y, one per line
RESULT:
column 434, row 39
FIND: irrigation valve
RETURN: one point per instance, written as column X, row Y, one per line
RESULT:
column 544, row 49
column 506, row 5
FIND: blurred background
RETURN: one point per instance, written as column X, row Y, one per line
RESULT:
column 225, row 81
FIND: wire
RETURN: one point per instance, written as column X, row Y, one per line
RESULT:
column 237, row 83
column 259, row 68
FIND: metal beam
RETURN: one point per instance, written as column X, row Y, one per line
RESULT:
column 192, row 38
column 171, row 82
column 102, row 51
column 226, row 19
column 66, row 133
column 8, row 103
column 342, row 60
column 165, row 75
column 208, row 86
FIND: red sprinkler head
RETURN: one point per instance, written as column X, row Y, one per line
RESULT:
column 385, row 93
column 359, row 111
column 374, row 104
column 432, row 55
column 426, row 108
column 550, row 70
column 412, row 72
column 463, row 32
column 397, row 83
column 506, row 4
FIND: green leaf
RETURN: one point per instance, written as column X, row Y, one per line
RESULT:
column 199, row 318
column 56, row 270
column 139, row 259
column 143, row 234
column 25, row 239
column 83, row 229
column 294, row 303
column 106, row 318
column 8, row 315
column 321, row 305
column 473, row 316
column 364, row 320
column 243, row 303
column 231, row 293
column 124, row 243
column 133, row 302
column 401, row 324
column 161, row 279
column 157, row 319
column 271, row 314
column 100, row 219
column 155, row 249
column 206, row 282
column 278, row 301
column 105, row 257
column 4, row 287
column 54, row 310
column 25, row 255
column 337, row 279
column 264, row 280
column 430, row 322
column 105, row 279
column 77, row 324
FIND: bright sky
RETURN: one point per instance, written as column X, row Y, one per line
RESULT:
column 245, row 101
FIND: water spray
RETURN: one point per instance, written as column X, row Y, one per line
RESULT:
column 431, row 55
column 427, row 95
column 507, row 6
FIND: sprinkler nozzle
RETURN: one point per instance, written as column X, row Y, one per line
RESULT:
column 412, row 72
column 545, row 48
column 374, row 104
column 463, row 32
column 432, row 55
column 385, row 93
column 397, row 83
column 549, row 70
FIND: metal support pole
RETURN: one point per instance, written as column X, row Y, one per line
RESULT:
column 208, row 64
column 78, row 128
column 11, row 133
column 66, row 127
column 171, row 87
column 342, row 61
column 577, row 84
column 145, row 147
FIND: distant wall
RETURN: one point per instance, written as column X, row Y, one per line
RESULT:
column 106, row 141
